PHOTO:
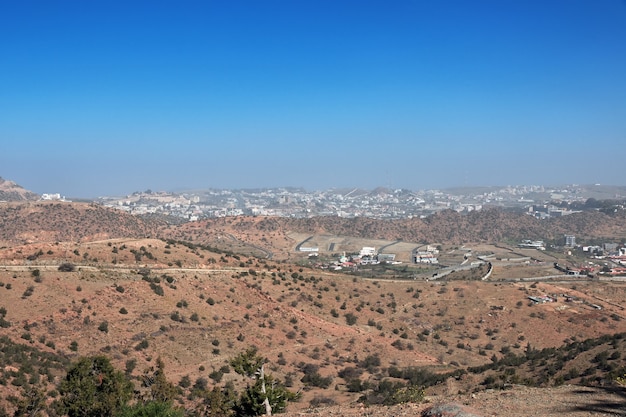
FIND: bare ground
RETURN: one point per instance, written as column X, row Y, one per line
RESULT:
column 520, row 401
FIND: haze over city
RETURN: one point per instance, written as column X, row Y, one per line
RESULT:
column 113, row 97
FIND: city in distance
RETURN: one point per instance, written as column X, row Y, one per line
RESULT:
column 380, row 203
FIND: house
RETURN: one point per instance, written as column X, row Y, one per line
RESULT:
column 532, row 244
column 367, row 251
column 386, row 257
column 425, row 258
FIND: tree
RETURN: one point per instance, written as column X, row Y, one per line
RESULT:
column 93, row 388
column 267, row 394
column 32, row 402
column 218, row 402
column 161, row 390
column 247, row 363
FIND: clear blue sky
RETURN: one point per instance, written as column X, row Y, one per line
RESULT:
column 111, row 97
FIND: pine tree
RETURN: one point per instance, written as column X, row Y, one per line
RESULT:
column 93, row 388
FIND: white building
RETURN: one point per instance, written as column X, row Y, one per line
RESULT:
column 367, row 251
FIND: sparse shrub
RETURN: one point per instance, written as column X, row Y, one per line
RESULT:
column 216, row 376
column 158, row 290
column 313, row 378
column 398, row 344
column 130, row 366
column 320, row 400
column 67, row 267
column 141, row 345
column 185, row 382
column 28, row 292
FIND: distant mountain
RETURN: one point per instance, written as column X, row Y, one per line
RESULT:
column 10, row 191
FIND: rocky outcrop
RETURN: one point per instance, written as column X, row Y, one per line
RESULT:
column 10, row 191
column 449, row 410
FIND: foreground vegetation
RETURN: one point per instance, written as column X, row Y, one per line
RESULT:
column 92, row 387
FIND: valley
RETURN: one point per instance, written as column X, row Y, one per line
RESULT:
column 196, row 295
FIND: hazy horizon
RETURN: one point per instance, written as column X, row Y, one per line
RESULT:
column 452, row 188
column 116, row 97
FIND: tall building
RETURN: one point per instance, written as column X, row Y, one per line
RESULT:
column 570, row 241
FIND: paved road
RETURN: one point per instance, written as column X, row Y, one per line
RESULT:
column 382, row 248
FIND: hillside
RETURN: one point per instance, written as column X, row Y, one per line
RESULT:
column 492, row 225
column 331, row 336
column 270, row 236
column 137, row 290
column 10, row 191
column 489, row 226
column 61, row 221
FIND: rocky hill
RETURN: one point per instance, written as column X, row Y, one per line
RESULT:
column 10, row 191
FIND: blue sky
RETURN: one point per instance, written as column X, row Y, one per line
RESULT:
column 110, row 97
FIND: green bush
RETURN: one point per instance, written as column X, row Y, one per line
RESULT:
column 151, row 409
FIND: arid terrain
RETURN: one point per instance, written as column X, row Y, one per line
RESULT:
column 197, row 294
